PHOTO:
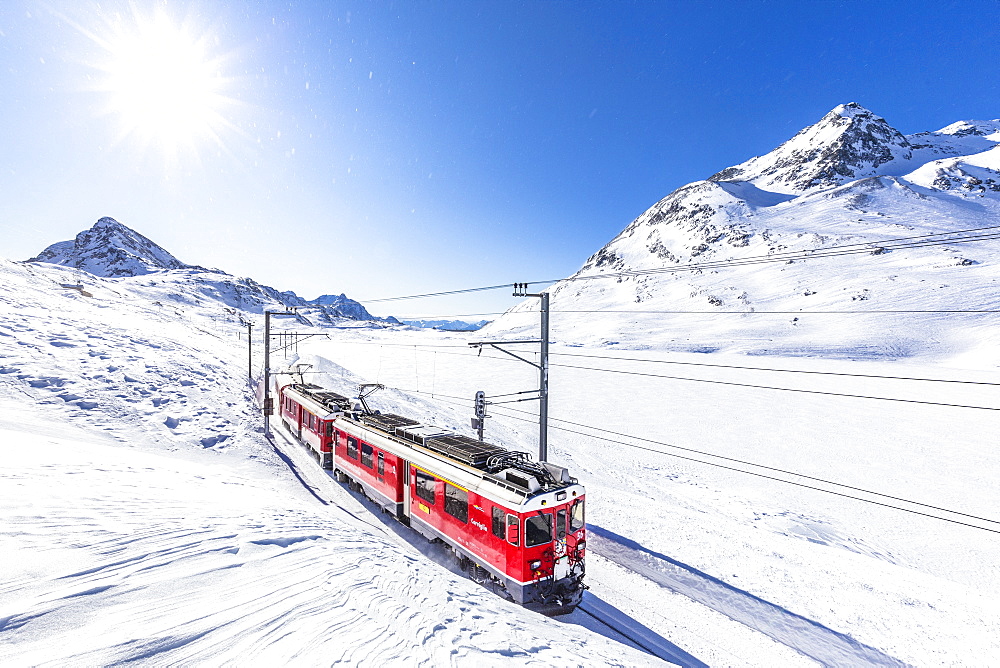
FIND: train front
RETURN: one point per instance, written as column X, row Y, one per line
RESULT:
column 552, row 549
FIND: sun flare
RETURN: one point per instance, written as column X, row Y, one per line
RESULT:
column 163, row 82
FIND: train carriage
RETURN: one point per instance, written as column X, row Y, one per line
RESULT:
column 516, row 526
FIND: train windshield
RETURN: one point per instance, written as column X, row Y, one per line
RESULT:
column 576, row 517
column 538, row 530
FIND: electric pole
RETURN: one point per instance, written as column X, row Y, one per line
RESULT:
column 250, row 351
column 268, row 406
column 521, row 290
column 543, row 391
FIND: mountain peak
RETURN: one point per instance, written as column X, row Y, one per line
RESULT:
column 850, row 110
column 110, row 249
column 850, row 142
column 107, row 221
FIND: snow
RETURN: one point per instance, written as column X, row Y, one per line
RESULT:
column 840, row 580
column 781, row 467
column 145, row 518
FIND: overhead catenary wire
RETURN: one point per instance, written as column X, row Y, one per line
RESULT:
column 780, row 389
column 756, row 474
column 701, row 312
column 802, row 371
column 701, row 364
column 452, row 292
column 970, row 235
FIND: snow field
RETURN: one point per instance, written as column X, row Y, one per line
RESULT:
column 912, row 588
column 130, row 531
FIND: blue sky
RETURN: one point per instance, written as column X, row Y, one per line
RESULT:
column 392, row 148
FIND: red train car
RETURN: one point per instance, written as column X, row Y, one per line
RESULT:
column 516, row 526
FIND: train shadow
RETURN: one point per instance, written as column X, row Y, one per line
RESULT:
column 810, row 638
column 599, row 616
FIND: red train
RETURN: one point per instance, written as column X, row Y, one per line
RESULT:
column 516, row 526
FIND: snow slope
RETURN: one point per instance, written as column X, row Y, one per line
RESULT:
column 732, row 567
column 732, row 263
column 143, row 517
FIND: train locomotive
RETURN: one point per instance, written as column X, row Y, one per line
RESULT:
column 516, row 526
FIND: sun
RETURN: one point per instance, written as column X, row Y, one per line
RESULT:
column 162, row 81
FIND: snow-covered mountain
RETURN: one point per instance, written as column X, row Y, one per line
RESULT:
column 448, row 325
column 110, row 249
column 738, row 242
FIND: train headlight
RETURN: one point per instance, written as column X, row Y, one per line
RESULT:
column 535, row 565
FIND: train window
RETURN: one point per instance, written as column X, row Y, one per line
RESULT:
column 456, row 502
column 513, row 530
column 366, row 455
column 329, row 430
column 576, row 516
column 425, row 486
column 381, row 464
column 352, row 447
column 561, row 524
column 498, row 522
column 538, row 530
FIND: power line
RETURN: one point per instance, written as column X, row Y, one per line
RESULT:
column 898, row 243
column 755, row 368
column 782, row 389
column 753, row 473
column 813, row 487
column 716, row 366
column 443, row 317
column 860, row 312
column 453, row 292
column 791, row 256
column 713, row 312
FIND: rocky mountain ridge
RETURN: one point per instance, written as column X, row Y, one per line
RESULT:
column 850, row 179
column 110, row 249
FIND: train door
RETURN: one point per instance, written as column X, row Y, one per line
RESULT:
column 406, row 491
column 560, row 568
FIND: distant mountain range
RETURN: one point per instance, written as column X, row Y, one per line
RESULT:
column 731, row 262
column 448, row 325
column 112, row 250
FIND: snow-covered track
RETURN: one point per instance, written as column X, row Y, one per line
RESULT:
column 636, row 633
column 818, row 642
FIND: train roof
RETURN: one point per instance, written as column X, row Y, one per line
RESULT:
column 507, row 469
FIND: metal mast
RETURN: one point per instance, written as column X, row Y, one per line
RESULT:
column 268, row 408
column 521, row 290
column 543, row 390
